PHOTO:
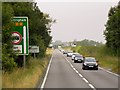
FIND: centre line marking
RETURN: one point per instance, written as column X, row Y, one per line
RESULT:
column 80, row 75
column 92, row 86
column 85, row 80
column 76, row 71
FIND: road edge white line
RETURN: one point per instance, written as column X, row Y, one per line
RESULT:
column 109, row 72
column 44, row 80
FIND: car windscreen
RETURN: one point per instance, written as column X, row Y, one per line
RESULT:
column 90, row 60
column 77, row 55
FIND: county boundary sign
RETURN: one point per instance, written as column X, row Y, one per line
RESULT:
column 20, row 35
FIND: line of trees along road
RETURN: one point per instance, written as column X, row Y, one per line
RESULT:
column 39, row 24
column 112, row 32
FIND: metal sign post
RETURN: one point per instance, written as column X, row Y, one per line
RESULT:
column 34, row 55
column 24, row 60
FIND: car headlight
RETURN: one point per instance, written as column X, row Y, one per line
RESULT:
column 96, row 64
column 85, row 64
column 75, row 58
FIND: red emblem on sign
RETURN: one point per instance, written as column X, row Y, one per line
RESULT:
column 17, row 38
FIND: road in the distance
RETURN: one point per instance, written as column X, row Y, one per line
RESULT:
column 63, row 73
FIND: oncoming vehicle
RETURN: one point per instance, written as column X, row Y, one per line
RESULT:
column 78, row 58
column 65, row 52
column 62, row 50
column 73, row 55
column 89, row 63
column 69, row 53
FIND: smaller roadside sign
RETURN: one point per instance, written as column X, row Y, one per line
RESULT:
column 33, row 49
column 17, row 48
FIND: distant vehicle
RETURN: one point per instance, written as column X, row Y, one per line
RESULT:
column 65, row 52
column 73, row 55
column 78, row 58
column 90, row 63
column 62, row 50
column 69, row 53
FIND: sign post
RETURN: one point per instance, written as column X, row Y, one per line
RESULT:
column 20, row 36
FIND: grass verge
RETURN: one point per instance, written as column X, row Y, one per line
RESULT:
column 28, row 77
column 0, row 79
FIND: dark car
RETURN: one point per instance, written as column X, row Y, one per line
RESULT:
column 78, row 58
column 90, row 63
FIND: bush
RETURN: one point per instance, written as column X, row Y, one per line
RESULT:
column 8, row 62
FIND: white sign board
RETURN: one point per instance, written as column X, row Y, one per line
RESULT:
column 17, row 48
column 33, row 49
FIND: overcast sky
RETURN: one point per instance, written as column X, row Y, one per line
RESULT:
column 77, row 20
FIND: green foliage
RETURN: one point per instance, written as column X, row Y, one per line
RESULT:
column 87, row 42
column 39, row 24
column 93, row 50
column 37, row 40
column 8, row 62
column 112, row 32
column 7, row 53
column 86, row 50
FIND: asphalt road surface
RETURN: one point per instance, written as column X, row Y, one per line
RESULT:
column 63, row 73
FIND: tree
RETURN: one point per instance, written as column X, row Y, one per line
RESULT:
column 7, row 51
column 87, row 42
column 112, row 32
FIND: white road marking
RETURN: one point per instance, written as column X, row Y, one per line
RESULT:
column 109, row 71
column 80, row 75
column 76, row 71
column 85, row 80
column 72, row 66
column 43, row 83
column 92, row 86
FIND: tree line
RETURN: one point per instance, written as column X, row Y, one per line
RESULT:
column 112, row 31
column 39, row 26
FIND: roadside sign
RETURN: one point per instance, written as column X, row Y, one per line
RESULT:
column 33, row 49
column 20, row 35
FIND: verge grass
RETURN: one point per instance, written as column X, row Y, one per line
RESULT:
column 0, row 79
column 28, row 77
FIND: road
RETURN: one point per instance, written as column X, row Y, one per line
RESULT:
column 63, row 73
